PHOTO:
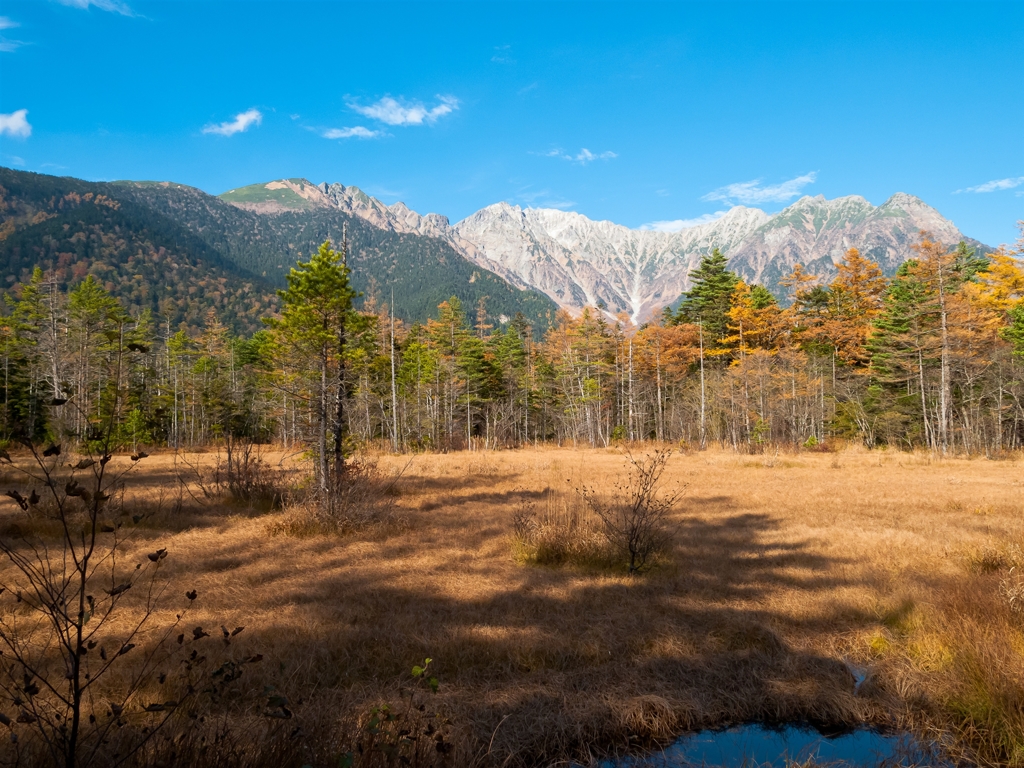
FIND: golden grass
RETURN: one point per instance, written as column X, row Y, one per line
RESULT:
column 782, row 573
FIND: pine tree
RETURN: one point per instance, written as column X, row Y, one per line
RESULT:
column 708, row 300
column 315, row 314
column 24, row 369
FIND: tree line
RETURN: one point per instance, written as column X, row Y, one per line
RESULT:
column 932, row 357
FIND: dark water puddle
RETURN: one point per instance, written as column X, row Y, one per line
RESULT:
column 760, row 746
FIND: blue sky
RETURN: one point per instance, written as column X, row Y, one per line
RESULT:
column 664, row 112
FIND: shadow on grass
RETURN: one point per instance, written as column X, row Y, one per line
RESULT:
column 538, row 664
column 566, row 662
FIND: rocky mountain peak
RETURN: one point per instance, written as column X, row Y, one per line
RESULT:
column 578, row 261
column 903, row 200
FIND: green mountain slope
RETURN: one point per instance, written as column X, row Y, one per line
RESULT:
column 181, row 252
column 422, row 271
column 148, row 260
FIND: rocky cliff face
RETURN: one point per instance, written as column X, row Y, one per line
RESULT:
column 577, row 261
column 580, row 262
column 817, row 232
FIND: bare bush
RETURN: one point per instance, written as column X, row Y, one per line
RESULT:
column 524, row 519
column 636, row 517
column 247, row 476
column 66, row 630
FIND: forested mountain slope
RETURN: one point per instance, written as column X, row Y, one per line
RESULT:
column 179, row 252
column 146, row 259
column 267, row 240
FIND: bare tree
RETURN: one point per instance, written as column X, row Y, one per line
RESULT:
column 65, row 631
column 636, row 519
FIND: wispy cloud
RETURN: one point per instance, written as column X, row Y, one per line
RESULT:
column 582, row 157
column 356, row 131
column 242, row 122
column 14, row 159
column 754, row 192
column 678, row 225
column 116, row 6
column 542, row 198
column 380, row 192
column 995, row 186
column 6, row 44
column 503, row 55
column 15, row 124
column 401, row 112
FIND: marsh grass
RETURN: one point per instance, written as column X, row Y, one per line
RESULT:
column 776, row 580
column 560, row 529
column 365, row 501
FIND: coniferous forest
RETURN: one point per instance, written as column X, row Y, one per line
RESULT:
column 932, row 357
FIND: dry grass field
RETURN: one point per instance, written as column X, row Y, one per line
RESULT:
column 784, row 571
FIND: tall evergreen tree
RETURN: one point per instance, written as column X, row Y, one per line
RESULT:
column 315, row 314
column 708, row 300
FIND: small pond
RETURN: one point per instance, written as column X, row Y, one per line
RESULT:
column 760, row 746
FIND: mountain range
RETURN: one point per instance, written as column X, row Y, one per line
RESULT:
column 181, row 252
column 579, row 262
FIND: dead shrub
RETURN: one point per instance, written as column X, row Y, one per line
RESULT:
column 247, row 476
column 636, row 517
column 69, row 617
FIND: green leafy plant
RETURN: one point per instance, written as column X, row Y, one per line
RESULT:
column 406, row 734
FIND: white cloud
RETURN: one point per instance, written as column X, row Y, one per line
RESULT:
column 15, row 124
column 583, row 157
column 394, row 112
column 6, row 44
column 14, row 159
column 753, row 192
column 104, row 5
column 380, row 192
column 241, row 123
column 357, row 131
column 681, row 224
column 562, row 205
column 995, row 186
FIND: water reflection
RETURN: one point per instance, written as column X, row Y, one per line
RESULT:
column 750, row 746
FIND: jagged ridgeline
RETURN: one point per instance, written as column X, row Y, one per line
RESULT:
column 181, row 252
column 265, row 227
